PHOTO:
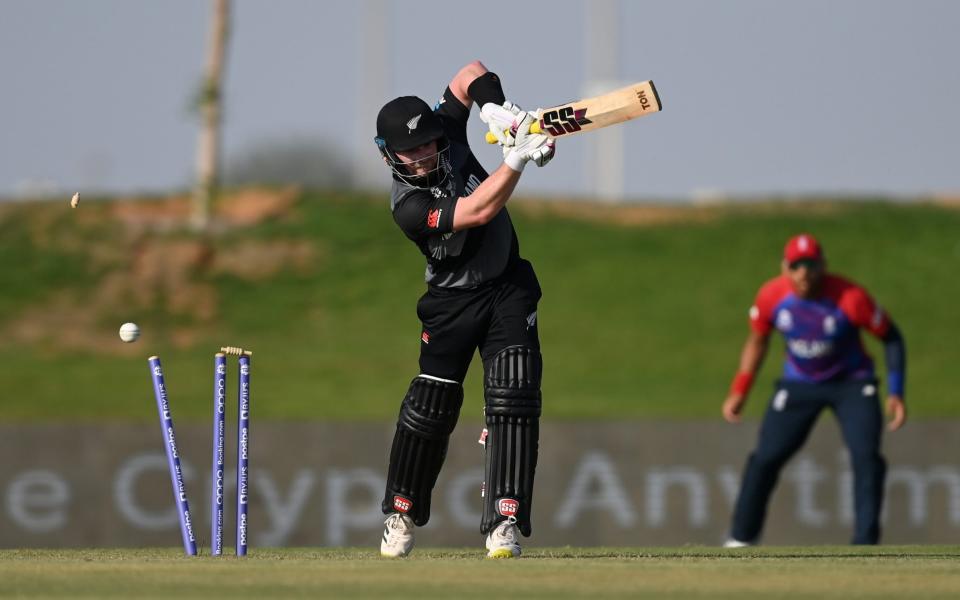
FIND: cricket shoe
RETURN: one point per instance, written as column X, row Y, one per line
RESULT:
column 733, row 543
column 397, row 540
column 504, row 540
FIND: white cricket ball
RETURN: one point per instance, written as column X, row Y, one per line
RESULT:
column 129, row 332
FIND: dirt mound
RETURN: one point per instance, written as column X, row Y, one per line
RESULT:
column 240, row 208
column 146, row 266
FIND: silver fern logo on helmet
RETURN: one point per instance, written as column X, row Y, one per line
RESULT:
column 412, row 123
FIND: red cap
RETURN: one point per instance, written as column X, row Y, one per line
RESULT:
column 803, row 246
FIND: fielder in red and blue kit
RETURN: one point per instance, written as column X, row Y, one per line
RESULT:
column 820, row 316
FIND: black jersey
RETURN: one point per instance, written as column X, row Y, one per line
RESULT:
column 466, row 258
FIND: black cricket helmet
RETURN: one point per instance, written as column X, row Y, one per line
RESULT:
column 406, row 123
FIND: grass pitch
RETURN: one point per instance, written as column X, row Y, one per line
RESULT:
column 689, row 572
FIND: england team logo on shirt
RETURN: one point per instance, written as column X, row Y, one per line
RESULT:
column 829, row 325
column 784, row 320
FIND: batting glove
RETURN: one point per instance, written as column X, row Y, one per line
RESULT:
column 536, row 147
column 501, row 120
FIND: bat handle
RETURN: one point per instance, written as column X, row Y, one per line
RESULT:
column 534, row 128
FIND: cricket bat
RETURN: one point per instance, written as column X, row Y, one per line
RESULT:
column 631, row 102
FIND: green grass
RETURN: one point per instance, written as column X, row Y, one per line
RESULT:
column 637, row 321
column 690, row 572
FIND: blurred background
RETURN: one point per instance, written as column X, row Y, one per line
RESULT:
column 231, row 194
column 760, row 97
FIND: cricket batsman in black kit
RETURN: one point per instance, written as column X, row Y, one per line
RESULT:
column 480, row 294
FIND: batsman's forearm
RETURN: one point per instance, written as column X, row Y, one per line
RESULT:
column 485, row 202
column 496, row 190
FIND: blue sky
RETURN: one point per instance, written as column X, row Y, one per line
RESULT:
column 759, row 97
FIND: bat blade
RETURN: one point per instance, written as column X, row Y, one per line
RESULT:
column 631, row 102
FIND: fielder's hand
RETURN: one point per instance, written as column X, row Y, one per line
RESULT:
column 733, row 406
column 536, row 147
column 501, row 120
column 897, row 411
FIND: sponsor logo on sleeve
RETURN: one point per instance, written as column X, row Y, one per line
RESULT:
column 877, row 319
column 401, row 504
column 433, row 218
column 425, row 337
column 507, row 507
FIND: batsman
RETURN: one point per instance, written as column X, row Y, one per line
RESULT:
column 481, row 295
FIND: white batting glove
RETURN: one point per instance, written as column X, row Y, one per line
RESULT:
column 545, row 153
column 521, row 125
column 500, row 119
column 536, row 147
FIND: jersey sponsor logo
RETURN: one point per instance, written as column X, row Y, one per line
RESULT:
column 564, row 120
column 810, row 348
column 412, row 123
column 402, row 504
column 433, row 218
column 507, row 507
column 425, row 337
column 784, row 320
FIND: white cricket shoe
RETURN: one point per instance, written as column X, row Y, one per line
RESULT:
column 504, row 540
column 732, row 543
column 397, row 540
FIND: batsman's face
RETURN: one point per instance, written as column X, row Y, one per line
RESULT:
column 420, row 160
column 805, row 275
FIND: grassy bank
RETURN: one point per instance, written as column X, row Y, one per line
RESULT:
column 643, row 315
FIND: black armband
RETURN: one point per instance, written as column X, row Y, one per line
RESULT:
column 486, row 88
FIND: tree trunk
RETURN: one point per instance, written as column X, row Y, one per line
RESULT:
column 208, row 144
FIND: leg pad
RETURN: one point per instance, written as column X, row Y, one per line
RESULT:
column 513, row 402
column 428, row 416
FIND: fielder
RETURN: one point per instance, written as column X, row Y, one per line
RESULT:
column 480, row 295
column 820, row 316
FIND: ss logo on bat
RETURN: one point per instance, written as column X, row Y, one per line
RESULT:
column 560, row 121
